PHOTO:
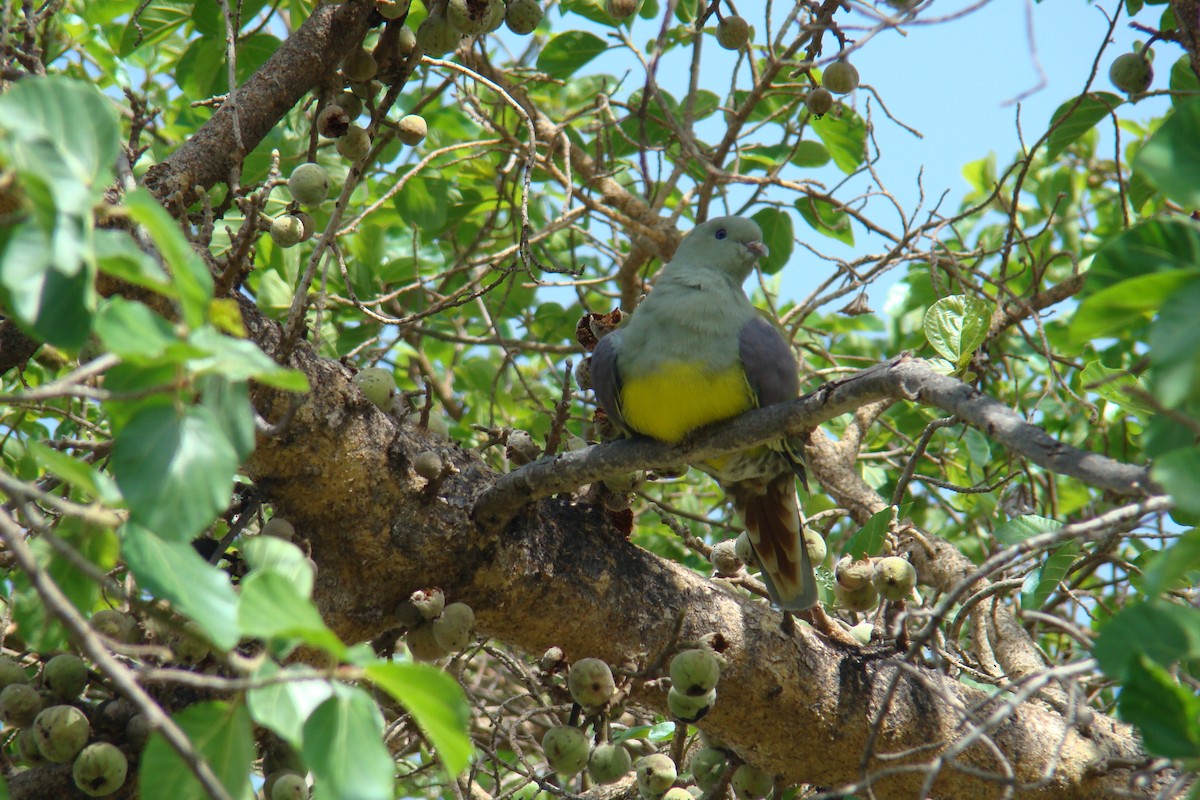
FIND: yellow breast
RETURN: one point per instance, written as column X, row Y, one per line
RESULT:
column 682, row 396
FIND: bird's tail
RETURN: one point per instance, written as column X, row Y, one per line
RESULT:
column 771, row 513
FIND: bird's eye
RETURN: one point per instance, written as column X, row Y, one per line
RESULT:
column 721, row 233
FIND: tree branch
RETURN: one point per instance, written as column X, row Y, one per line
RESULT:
column 901, row 379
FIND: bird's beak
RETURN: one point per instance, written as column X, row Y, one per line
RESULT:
column 758, row 248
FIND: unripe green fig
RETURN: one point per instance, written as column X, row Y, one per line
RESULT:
column 436, row 36
column 20, row 703
column 429, row 602
column 707, row 766
column 428, row 464
column 861, row 599
column 309, row 184
column 137, row 731
column 422, row 644
column 290, row 786
column 733, row 32
column 621, row 9
column 695, row 672
column 99, row 769
column 61, row 732
column 279, row 528
column 379, row 386
column 360, row 66
column 455, row 627
column 469, row 17
column 115, row 625
column 819, row 101
column 689, row 707
column 355, row 144
column 591, row 683
column 814, row 543
column 678, row 793
column 392, row 9
column 520, row 448
column 11, row 672
column 894, row 578
column 307, row 223
column 65, row 676
column 1131, row 73
column 724, row 559
column 840, row 77
column 189, row 643
column 609, row 763
column 412, row 129
column 333, row 121
column 655, row 774
column 751, row 783
column 27, row 749
column 352, row 104
column 566, row 749
column 523, row 16
column 287, row 230
column 853, row 573
column 406, row 42
column 274, row 776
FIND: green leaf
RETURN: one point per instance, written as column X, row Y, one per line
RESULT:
column 1179, row 473
column 1041, row 582
column 272, row 607
column 132, row 331
column 1167, row 569
column 117, row 255
column 191, row 278
column 868, row 540
column 1127, row 304
column 41, row 121
column 568, row 51
column 1076, row 117
column 222, row 736
column 156, row 22
column 175, row 469
column 285, row 706
column 1174, row 357
column 778, row 236
column 1019, row 529
column 422, row 202
column 826, row 218
column 1183, row 82
column 1167, row 714
column 436, row 702
column 1171, row 156
column 1165, row 632
column 240, row 360
column 229, row 402
column 272, row 554
column 1114, row 385
column 45, row 281
column 845, row 137
column 78, row 473
column 957, row 325
column 175, row 571
column 349, row 723
column 591, row 10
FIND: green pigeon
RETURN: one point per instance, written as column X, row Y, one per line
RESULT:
column 697, row 352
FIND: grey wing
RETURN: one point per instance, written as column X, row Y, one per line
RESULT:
column 768, row 361
column 771, row 371
column 606, row 381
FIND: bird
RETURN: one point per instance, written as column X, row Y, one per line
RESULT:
column 696, row 352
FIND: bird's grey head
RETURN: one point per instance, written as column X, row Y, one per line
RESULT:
column 729, row 244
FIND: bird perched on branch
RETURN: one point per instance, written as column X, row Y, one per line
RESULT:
column 697, row 352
